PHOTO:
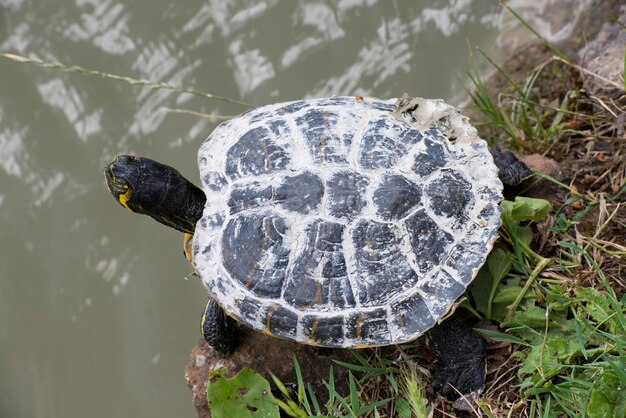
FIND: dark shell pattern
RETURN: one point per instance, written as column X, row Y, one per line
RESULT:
column 335, row 222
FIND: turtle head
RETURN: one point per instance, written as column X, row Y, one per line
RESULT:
column 139, row 184
column 148, row 187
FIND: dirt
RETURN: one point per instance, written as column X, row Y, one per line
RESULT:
column 266, row 355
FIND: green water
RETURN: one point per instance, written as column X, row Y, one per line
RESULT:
column 96, row 316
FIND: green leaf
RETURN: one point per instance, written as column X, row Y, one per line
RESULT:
column 355, row 404
column 280, row 385
column 500, row 336
column 403, row 408
column 302, row 398
column 619, row 369
column 571, row 246
column 529, row 209
column 562, row 224
column 484, row 288
column 531, row 316
column 330, row 404
column 595, row 304
column 314, row 401
column 579, row 334
column 508, row 294
column 247, row 395
column 608, row 398
column 524, row 235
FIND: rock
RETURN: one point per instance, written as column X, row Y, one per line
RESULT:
column 266, row 355
column 545, row 165
column 604, row 56
column 541, row 188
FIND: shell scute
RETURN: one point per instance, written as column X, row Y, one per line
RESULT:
column 385, row 141
column 249, row 196
column 412, row 315
column 396, row 196
column 301, row 193
column 434, row 155
column 280, row 321
column 255, row 153
column 368, row 327
column 326, row 140
column 451, row 195
column 254, row 253
column 382, row 268
column 323, row 330
column 346, row 190
column 428, row 241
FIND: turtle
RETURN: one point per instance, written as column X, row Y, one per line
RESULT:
column 341, row 222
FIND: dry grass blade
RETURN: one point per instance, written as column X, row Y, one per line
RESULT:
column 210, row 116
column 129, row 80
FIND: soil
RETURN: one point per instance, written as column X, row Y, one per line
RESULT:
column 266, row 355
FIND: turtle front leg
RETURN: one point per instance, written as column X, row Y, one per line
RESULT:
column 218, row 329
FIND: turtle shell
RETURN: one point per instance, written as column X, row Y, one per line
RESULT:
column 342, row 222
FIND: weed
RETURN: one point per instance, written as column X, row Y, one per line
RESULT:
column 413, row 393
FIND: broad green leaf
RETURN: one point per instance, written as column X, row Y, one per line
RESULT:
column 480, row 289
column 548, row 356
column 507, row 210
column 529, row 209
column 608, row 398
column 619, row 369
column 596, row 305
column 247, row 395
column 508, row 294
column 532, row 317
column 571, row 246
column 524, row 234
column 499, row 264
column 484, row 288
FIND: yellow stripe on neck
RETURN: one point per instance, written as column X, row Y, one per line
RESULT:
column 204, row 315
column 123, row 198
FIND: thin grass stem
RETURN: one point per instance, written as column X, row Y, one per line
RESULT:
column 129, row 80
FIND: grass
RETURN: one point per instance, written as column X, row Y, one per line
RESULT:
column 566, row 326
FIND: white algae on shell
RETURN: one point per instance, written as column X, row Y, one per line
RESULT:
column 345, row 221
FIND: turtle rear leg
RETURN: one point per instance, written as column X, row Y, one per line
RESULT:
column 218, row 329
column 459, row 359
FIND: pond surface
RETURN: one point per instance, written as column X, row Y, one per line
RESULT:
column 96, row 315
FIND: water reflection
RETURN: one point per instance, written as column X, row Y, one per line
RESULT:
column 105, row 24
column 12, row 154
column 57, row 94
column 560, row 26
column 104, row 261
column 94, row 298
